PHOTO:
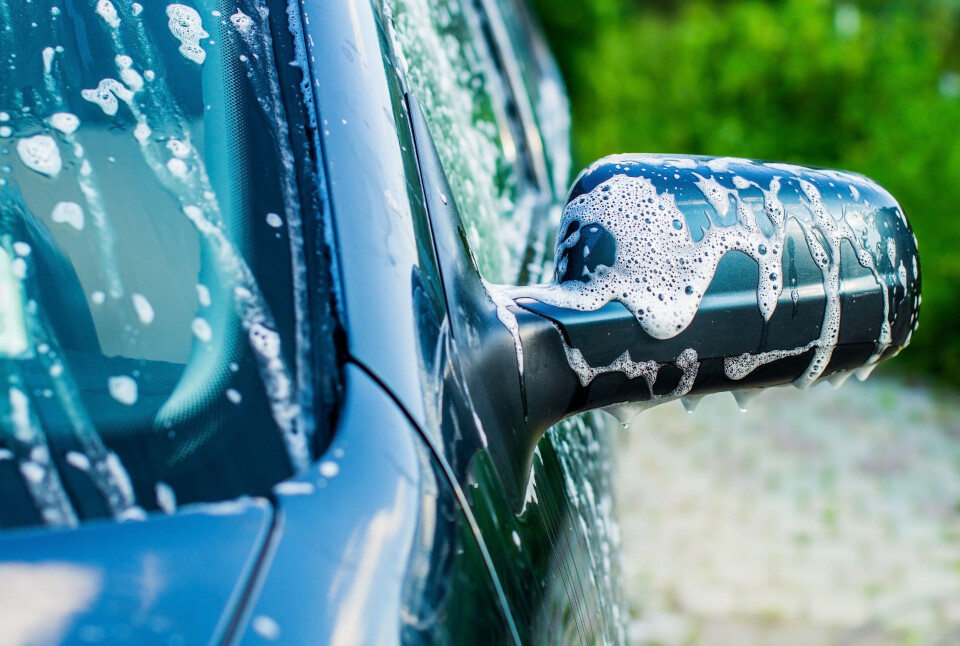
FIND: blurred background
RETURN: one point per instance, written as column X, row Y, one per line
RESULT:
column 821, row 517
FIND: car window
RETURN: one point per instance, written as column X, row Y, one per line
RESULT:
column 543, row 85
column 554, row 559
column 447, row 62
column 149, row 306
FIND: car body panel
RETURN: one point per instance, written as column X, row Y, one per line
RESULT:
column 371, row 547
column 405, row 515
column 567, row 586
column 137, row 582
column 371, row 200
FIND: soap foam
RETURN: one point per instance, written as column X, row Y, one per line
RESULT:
column 660, row 273
column 187, row 27
column 41, row 154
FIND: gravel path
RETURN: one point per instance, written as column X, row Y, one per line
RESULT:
column 817, row 518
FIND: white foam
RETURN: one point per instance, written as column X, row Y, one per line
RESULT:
column 65, row 122
column 660, row 274
column 40, row 153
column 242, row 22
column 141, row 133
column 688, row 362
column 78, row 460
column 32, row 472
column 824, row 237
column 265, row 341
column 201, row 329
column 328, row 468
column 108, row 12
column 68, row 213
column 266, row 627
column 123, row 389
column 187, row 27
column 47, row 55
column 509, row 320
column 741, row 366
column 132, row 78
column 294, row 488
column 177, row 167
column 632, row 369
column 178, row 149
column 203, row 295
column 166, row 498
column 143, row 308
column 106, row 94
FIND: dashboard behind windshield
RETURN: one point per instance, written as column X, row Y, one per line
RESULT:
column 152, row 293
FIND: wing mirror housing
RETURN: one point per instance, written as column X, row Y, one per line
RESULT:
column 680, row 276
column 675, row 277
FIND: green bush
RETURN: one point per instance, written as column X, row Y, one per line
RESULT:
column 872, row 87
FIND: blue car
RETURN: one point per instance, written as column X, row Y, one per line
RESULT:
column 304, row 335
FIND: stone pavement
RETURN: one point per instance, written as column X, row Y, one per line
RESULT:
column 824, row 517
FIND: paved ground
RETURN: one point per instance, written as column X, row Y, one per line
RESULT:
column 817, row 518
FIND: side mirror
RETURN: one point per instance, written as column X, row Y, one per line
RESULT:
column 676, row 277
column 680, row 276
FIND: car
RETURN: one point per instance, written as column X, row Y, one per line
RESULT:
column 289, row 357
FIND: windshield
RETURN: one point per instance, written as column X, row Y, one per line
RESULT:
column 148, row 217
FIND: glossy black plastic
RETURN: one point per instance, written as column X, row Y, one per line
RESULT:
column 845, row 288
column 873, row 257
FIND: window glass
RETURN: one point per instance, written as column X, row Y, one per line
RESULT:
column 446, row 60
column 544, row 86
column 148, row 216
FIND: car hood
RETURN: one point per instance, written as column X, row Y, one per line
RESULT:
column 175, row 579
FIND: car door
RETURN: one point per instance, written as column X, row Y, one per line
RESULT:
column 495, row 112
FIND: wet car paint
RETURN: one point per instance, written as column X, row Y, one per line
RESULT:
column 561, row 581
column 458, row 556
column 371, row 546
column 140, row 582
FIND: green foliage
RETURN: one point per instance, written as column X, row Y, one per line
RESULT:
column 872, row 87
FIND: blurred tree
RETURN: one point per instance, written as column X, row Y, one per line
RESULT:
column 870, row 86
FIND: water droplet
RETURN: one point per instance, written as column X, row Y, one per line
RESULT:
column 690, row 402
column 839, row 378
column 864, row 371
column 329, row 468
column 745, row 396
